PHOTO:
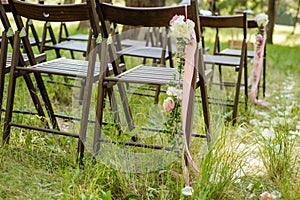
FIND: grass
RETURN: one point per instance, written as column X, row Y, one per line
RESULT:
column 260, row 153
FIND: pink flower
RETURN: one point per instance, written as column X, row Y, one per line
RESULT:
column 259, row 37
column 267, row 196
column 169, row 104
column 174, row 19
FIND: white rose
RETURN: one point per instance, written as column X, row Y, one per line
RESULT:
column 262, row 19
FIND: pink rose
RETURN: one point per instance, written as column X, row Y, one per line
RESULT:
column 259, row 38
column 174, row 19
column 169, row 104
column 267, row 196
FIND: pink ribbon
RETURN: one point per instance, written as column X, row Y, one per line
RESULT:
column 256, row 71
column 188, row 95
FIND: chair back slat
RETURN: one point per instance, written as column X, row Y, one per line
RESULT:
column 223, row 21
column 147, row 17
column 51, row 13
column 252, row 23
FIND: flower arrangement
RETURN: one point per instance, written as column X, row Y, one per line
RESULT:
column 182, row 29
column 262, row 21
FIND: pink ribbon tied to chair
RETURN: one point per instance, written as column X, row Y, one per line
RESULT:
column 257, row 68
column 188, row 95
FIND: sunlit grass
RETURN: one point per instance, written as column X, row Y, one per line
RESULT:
column 260, row 153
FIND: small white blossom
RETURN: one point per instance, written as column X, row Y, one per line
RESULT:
column 187, row 191
column 173, row 91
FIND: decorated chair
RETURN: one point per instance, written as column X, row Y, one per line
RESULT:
column 194, row 77
column 252, row 24
column 236, row 64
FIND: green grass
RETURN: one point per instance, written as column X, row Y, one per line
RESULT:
column 260, row 153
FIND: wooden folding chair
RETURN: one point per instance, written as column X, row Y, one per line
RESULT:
column 141, row 74
column 5, row 57
column 238, row 64
column 64, row 34
column 62, row 66
column 250, row 54
column 73, row 43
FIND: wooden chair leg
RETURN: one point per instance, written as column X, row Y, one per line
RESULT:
column 4, row 43
column 205, row 107
column 9, row 108
column 246, row 83
column 220, row 77
column 264, row 77
column 99, row 118
column 85, row 96
column 237, row 94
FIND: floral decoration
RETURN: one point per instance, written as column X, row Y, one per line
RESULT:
column 262, row 21
column 182, row 29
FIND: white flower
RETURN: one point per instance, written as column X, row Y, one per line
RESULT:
column 173, row 91
column 262, row 19
column 268, row 133
column 180, row 28
column 187, row 191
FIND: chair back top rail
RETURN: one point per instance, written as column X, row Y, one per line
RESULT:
column 252, row 23
column 236, row 21
column 50, row 13
column 146, row 17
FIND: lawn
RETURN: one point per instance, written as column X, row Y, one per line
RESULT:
column 260, row 153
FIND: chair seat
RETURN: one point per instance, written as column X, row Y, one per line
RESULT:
column 64, row 67
column 80, row 37
column 236, row 52
column 149, row 52
column 129, row 43
column 38, row 57
column 221, row 60
column 149, row 75
column 71, row 45
column 153, row 75
column 68, row 67
column 33, row 42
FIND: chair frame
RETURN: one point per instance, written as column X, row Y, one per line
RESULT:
column 53, row 13
column 127, row 16
column 250, row 54
column 240, row 64
column 5, row 61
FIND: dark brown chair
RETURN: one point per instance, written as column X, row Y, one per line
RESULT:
column 73, row 43
column 64, row 34
column 250, row 54
column 62, row 66
column 5, row 57
column 237, row 64
column 141, row 74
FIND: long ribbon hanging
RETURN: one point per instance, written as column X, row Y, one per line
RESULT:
column 256, row 71
column 188, row 94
